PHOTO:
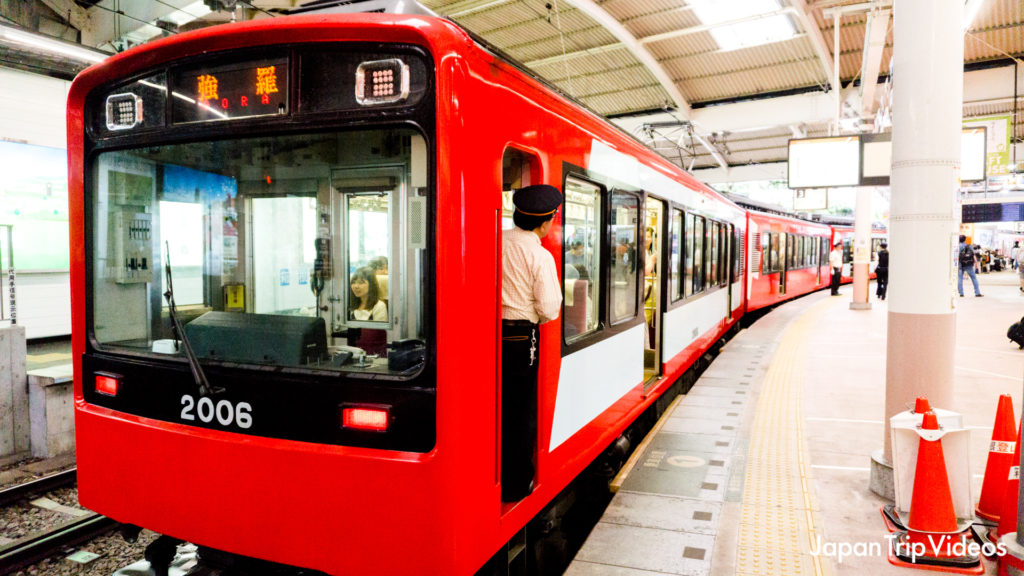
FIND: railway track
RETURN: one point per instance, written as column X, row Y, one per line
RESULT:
column 44, row 484
column 38, row 546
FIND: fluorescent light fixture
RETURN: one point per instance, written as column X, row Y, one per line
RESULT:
column 183, row 15
column 49, row 46
column 772, row 27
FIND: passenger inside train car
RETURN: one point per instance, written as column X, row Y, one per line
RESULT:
column 258, row 229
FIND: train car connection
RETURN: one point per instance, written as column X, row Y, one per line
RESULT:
column 286, row 247
column 845, row 234
column 788, row 258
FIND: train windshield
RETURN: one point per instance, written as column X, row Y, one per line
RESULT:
column 297, row 251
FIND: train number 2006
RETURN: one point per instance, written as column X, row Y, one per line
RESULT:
column 224, row 411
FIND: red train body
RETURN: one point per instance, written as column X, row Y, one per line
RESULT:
column 272, row 467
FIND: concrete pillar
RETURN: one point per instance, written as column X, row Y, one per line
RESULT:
column 927, row 107
column 14, row 417
column 52, row 411
column 862, row 250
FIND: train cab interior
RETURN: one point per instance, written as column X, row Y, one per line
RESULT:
column 289, row 251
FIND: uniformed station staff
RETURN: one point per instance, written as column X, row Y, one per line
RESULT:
column 531, row 295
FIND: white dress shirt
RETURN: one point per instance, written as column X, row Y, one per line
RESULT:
column 529, row 289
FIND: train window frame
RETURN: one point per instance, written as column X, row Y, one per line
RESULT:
column 700, row 263
column 594, row 304
column 676, row 261
column 630, row 257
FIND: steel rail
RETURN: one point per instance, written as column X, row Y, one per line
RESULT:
column 40, row 546
column 46, row 483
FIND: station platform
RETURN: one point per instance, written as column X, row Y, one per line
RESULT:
column 767, row 458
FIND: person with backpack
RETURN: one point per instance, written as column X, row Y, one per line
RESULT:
column 882, row 271
column 967, row 261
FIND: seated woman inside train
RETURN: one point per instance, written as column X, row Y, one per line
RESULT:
column 364, row 304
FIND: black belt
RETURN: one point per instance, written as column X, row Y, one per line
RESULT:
column 522, row 323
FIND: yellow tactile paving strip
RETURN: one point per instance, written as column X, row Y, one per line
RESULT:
column 778, row 523
column 51, row 357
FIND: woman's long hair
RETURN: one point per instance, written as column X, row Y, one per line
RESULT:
column 367, row 274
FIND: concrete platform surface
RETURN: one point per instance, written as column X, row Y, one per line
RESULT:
column 764, row 467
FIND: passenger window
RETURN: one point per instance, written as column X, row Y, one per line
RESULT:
column 688, row 281
column 713, row 232
column 775, row 262
column 766, row 263
column 625, row 211
column 675, row 278
column 582, row 265
column 698, row 254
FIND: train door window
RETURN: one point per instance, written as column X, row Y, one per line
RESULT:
column 847, row 250
column 623, row 225
column 699, row 264
column 688, row 270
column 283, row 228
column 581, row 270
column 675, row 258
column 823, row 253
column 774, row 253
column 181, row 230
column 876, row 245
column 655, row 210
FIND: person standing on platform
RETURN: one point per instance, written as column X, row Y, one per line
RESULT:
column 531, row 295
column 1014, row 253
column 967, row 261
column 882, row 271
column 835, row 262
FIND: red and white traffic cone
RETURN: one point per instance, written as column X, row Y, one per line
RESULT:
column 1008, row 515
column 933, row 540
column 1000, row 458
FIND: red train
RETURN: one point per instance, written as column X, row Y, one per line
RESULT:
column 285, row 256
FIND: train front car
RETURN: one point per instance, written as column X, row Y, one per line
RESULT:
column 276, row 180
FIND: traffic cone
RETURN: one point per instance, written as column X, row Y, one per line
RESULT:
column 1008, row 515
column 1000, row 457
column 933, row 540
column 921, row 405
column 890, row 516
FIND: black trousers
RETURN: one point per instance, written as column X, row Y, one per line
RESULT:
column 518, row 407
column 837, row 277
column 882, row 278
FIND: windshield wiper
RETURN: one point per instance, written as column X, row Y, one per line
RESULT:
column 197, row 371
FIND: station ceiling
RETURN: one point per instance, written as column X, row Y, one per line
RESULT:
column 666, row 70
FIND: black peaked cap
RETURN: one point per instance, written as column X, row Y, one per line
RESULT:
column 537, row 200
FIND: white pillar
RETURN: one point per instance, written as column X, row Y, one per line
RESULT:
column 928, row 56
column 862, row 250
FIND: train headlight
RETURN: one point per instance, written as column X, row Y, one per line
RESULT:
column 124, row 111
column 382, row 82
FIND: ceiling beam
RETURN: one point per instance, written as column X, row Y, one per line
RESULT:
column 77, row 16
column 817, row 39
column 641, row 53
column 874, row 44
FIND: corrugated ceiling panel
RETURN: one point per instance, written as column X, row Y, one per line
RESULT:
column 996, row 13
column 717, row 63
column 626, row 10
column 625, row 101
column 994, row 44
column 750, row 82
